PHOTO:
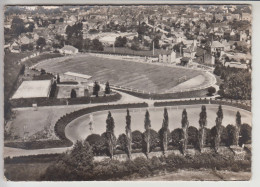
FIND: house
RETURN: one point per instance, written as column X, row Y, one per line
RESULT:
column 190, row 51
column 167, row 56
column 216, row 46
column 14, row 47
column 68, row 49
column 26, row 39
column 246, row 17
column 204, row 57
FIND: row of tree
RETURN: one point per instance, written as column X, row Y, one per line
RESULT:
column 96, row 89
column 150, row 138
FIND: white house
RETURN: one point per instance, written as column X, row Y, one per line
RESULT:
column 167, row 56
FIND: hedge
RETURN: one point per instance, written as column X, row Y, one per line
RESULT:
column 44, row 144
column 186, row 94
column 42, row 101
column 203, row 101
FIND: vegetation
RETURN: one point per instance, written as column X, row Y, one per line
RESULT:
column 107, row 89
column 236, row 82
column 78, row 164
column 73, row 94
column 218, row 128
column 147, row 133
column 203, row 124
column 128, row 133
column 185, row 126
column 96, row 88
column 109, row 134
column 164, row 132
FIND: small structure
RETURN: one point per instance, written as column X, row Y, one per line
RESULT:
column 68, row 49
column 76, row 76
column 35, row 107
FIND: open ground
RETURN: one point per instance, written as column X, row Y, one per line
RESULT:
column 129, row 74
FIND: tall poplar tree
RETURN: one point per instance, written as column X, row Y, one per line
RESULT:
column 238, row 126
column 218, row 127
column 111, row 139
column 203, row 124
column 165, row 130
column 128, row 132
column 185, row 126
column 147, row 134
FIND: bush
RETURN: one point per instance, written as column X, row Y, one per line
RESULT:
column 154, row 140
column 211, row 91
column 137, row 139
column 98, row 144
column 245, row 133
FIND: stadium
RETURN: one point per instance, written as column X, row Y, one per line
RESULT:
column 132, row 75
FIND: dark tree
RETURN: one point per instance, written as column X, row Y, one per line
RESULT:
column 111, row 139
column 98, row 144
column 137, row 139
column 203, row 124
column 218, row 127
column 96, row 88
column 245, row 134
column 177, row 135
column 58, row 79
column 164, row 132
column 107, row 89
column 238, row 126
column 185, row 126
column 193, row 136
column 211, row 90
column 41, row 42
column 147, row 127
column 122, row 143
column 74, row 165
column 97, row 45
column 231, row 131
column 73, row 94
column 128, row 132
column 154, row 140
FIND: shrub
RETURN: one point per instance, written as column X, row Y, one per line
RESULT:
column 245, row 133
column 211, row 91
column 193, row 136
column 97, row 143
column 137, row 139
column 154, row 140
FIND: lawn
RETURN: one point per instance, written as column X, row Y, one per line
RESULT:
column 129, row 74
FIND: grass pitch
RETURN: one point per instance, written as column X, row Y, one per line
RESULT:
column 139, row 76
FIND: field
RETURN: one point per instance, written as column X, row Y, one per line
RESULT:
column 79, row 128
column 139, row 76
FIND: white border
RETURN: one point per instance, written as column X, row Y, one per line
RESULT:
column 255, row 181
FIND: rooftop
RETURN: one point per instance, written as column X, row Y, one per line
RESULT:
column 77, row 75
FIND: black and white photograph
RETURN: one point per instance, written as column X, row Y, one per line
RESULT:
column 121, row 92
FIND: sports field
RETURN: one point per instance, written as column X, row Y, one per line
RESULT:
column 129, row 74
column 79, row 128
